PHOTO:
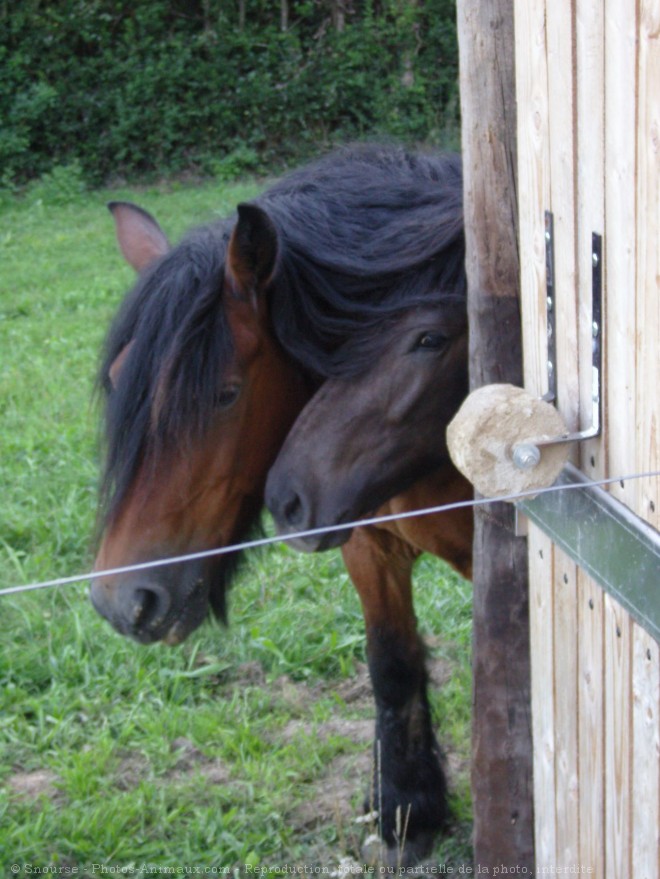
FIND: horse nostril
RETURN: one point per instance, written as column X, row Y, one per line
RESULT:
column 149, row 605
column 292, row 509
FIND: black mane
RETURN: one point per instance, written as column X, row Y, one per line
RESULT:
column 175, row 323
column 365, row 233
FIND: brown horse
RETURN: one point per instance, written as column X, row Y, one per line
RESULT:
column 213, row 355
column 205, row 488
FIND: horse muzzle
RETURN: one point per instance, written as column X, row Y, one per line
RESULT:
column 293, row 514
column 150, row 609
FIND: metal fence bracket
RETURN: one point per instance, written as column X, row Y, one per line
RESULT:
column 526, row 454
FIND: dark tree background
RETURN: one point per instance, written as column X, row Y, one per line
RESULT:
column 127, row 89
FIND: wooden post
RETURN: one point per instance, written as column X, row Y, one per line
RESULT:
column 502, row 781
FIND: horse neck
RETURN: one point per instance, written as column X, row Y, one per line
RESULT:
column 447, row 535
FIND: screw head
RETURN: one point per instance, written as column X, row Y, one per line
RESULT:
column 526, row 456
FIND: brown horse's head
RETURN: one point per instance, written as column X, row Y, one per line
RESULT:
column 361, row 441
column 199, row 399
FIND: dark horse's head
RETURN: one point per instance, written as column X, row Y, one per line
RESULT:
column 199, row 399
column 224, row 339
column 362, row 440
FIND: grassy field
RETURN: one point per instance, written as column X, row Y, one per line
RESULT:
column 246, row 745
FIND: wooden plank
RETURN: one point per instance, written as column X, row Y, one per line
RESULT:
column 591, row 728
column 543, row 687
column 590, row 206
column 646, row 756
column 564, row 621
column 533, row 183
column 533, row 201
column 561, row 125
column 618, row 755
column 619, row 249
column 648, row 262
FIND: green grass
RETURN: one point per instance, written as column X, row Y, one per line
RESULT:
column 228, row 749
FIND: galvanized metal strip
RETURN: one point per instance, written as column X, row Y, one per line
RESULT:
column 617, row 549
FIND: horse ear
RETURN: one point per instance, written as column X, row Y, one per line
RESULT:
column 141, row 240
column 252, row 252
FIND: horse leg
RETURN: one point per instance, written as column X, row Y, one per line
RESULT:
column 410, row 790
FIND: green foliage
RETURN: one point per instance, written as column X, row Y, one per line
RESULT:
column 63, row 184
column 134, row 88
column 240, row 162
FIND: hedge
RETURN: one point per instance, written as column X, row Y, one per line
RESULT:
column 132, row 88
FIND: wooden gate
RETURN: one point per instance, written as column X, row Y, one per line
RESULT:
column 588, row 93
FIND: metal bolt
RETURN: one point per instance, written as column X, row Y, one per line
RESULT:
column 594, row 259
column 595, row 329
column 550, row 303
column 526, row 456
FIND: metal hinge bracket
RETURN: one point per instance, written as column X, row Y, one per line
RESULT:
column 526, row 454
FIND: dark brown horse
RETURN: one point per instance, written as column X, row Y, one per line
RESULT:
column 361, row 440
column 215, row 352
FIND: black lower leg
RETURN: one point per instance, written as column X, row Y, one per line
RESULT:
column 410, row 789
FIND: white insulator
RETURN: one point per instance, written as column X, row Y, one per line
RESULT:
column 492, row 441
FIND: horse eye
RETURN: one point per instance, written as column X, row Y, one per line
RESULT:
column 431, row 341
column 227, row 396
